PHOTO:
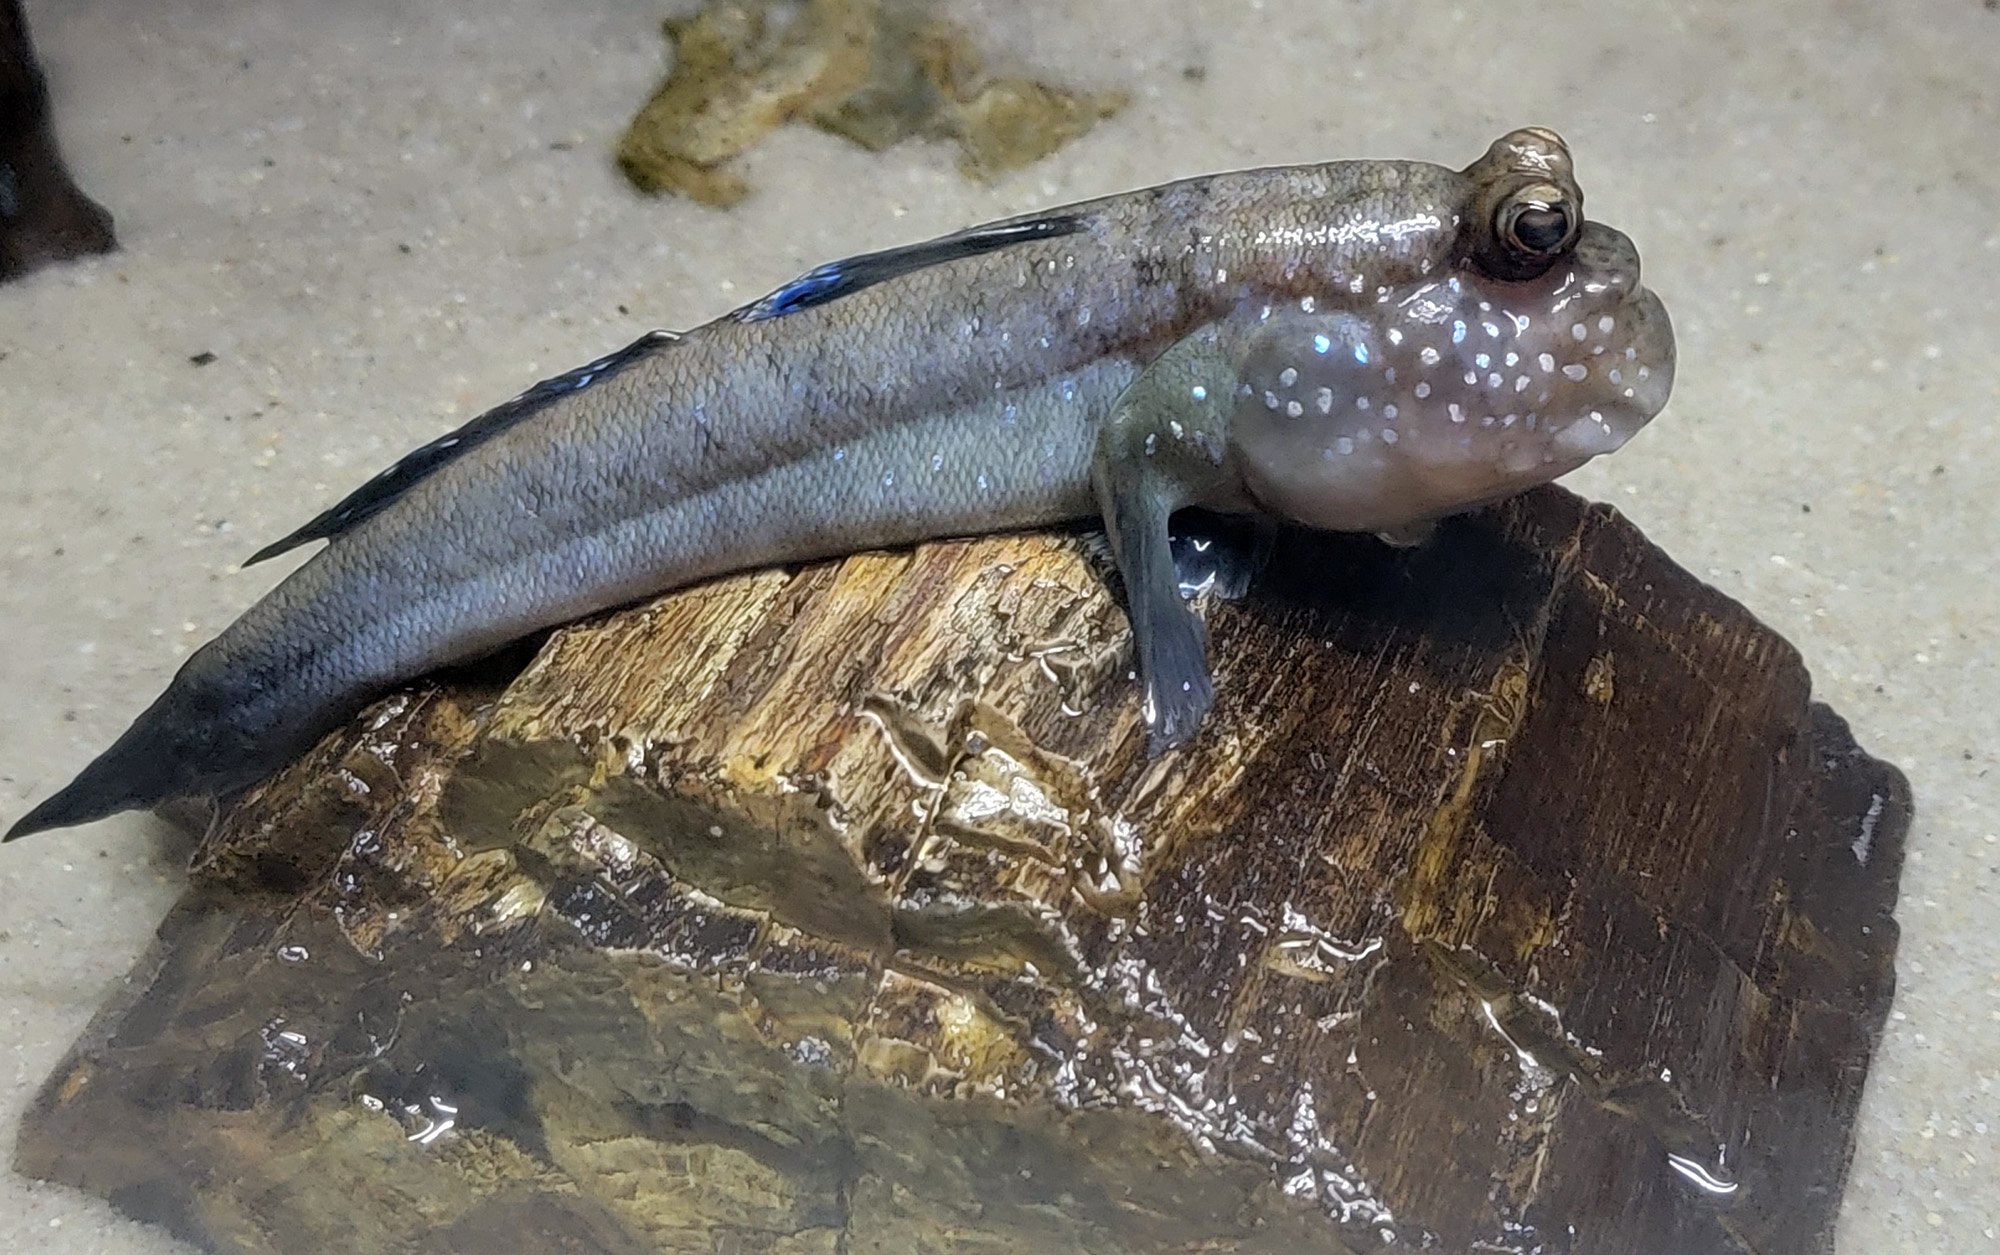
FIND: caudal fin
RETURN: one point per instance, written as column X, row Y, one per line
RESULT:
column 170, row 751
column 137, row 771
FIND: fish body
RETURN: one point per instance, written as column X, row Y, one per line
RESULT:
column 1362, row 345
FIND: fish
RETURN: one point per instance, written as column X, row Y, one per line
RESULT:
column 1359, row 345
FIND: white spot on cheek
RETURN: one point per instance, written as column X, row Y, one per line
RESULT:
column 1512, row 358
column 1422, row 390
column 1493, row 380
column 1198, row 392
column 1287, row 377
column 1428, row 356
column 1389, row 412
column 1575, row 372
column 1472, row 379
column 1395, row 335
column 1606, row 323
column 1321, row 344
column 1577, row 331
column 1457, row 412
column 1645, row 372
column 1492, row 329
column 1294, row 409
column 1270, row 400
column 1483, row 361
column 1361, row 403
column 1324, row 399
column 1344, row 444
column 1389, row 435
column 1306, row 304
column 1520, row 383
column 1546, row 361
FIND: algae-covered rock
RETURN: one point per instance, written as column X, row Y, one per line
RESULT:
column 876, row 72
column 1516, row 894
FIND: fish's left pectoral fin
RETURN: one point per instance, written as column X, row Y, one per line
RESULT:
column 1409, row 535
column 1163, row 447
column 1220, row 556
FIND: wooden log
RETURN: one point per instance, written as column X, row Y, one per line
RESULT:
column 1516, row 894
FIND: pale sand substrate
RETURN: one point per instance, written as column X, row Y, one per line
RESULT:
column 381, row 222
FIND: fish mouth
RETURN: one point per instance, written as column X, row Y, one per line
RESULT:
column 1636, row 381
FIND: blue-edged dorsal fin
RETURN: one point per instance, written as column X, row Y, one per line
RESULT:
column 380, row 492
column 824, row 284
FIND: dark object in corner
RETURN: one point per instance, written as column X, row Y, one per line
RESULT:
column 43, row 216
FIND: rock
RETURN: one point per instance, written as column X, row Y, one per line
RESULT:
column 1516, row 893
column 876, row 72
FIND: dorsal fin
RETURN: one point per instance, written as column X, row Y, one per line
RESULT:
column 380, row 492
column 824, row 284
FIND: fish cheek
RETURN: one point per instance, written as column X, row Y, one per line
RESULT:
column 1315, row 428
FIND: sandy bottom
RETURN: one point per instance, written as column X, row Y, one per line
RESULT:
column 382, row 218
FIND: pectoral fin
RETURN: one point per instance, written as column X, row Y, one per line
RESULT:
column 1409, row 535
column 1220, row 555
column 1164, row 447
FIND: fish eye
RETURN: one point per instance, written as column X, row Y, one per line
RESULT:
column 1538, row 229
column 1536, row 223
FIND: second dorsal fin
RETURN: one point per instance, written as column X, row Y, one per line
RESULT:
column 380, row 492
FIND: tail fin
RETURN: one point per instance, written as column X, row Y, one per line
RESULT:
column 140, row 769
column 185, row 743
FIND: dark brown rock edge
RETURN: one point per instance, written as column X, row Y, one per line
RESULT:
column 1516, row 898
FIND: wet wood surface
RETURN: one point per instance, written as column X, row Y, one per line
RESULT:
column 1517, row 897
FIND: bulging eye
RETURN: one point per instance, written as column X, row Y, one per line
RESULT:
column 1539, row 229
column 1537, row 223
